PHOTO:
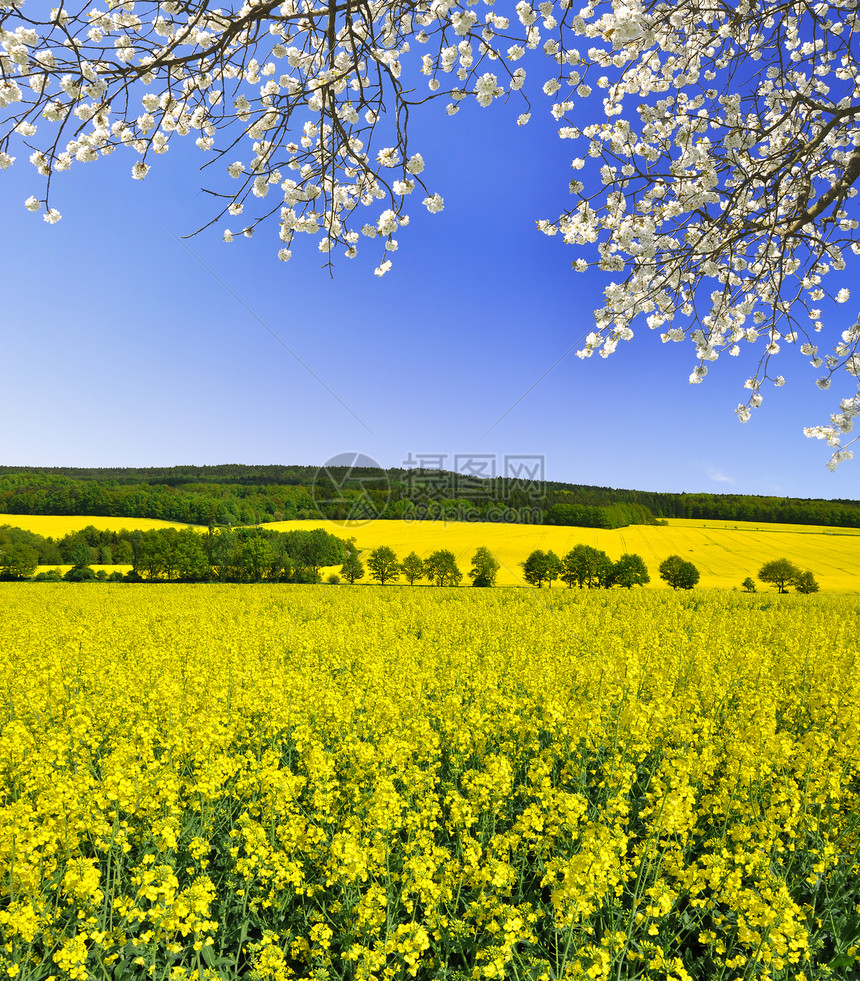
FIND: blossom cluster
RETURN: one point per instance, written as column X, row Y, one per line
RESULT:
column 723, row 198
column 302, row 90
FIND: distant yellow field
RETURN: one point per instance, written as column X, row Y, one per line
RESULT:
column 96, row 567
column 763, row 526
column 57, row 525
column 724, row 552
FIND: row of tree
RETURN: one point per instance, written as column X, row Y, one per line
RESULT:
column 261, row 554
column 585, row 567
column 184, row 555
column 439, row 568
column 591, row 568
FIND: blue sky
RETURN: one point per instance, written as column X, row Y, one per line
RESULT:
column 124, row 347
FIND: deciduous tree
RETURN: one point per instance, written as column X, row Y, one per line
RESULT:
column 805, row 582
column 554, row 567
column 352, row 568
column 585, row 566
column 81, row 556
column 383, row 565
column 678, row 572
column 630, row 570
column 441, row 568
column 413, row 568
column 780, row 573
column 535, row 568
column 18, row 561
column 485, row 567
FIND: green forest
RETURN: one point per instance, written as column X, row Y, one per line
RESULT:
column 236, row 494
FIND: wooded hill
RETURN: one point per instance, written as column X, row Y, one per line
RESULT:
column 235, row 494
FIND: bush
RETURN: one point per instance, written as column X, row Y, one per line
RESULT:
column 333, row 579
column 748, row 584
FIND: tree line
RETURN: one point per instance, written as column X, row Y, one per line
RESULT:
column 583, row 566
column 181, row 555
column 238, row 495
column 264, row 555
column 439, row 568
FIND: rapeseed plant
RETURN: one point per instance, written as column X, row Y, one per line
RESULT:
column 226, row 782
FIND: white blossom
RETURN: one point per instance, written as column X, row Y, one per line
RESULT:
column 387, row 222
column 388, row 156
column 434, row 203
column 486, row 88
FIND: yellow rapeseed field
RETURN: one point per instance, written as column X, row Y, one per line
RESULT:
column 58, row 525
column 724, row 552
column 378, row 784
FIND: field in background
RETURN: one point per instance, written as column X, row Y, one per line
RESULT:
column 725, row 556
column 762, row 526
column 725, row 552
column 58, row 525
